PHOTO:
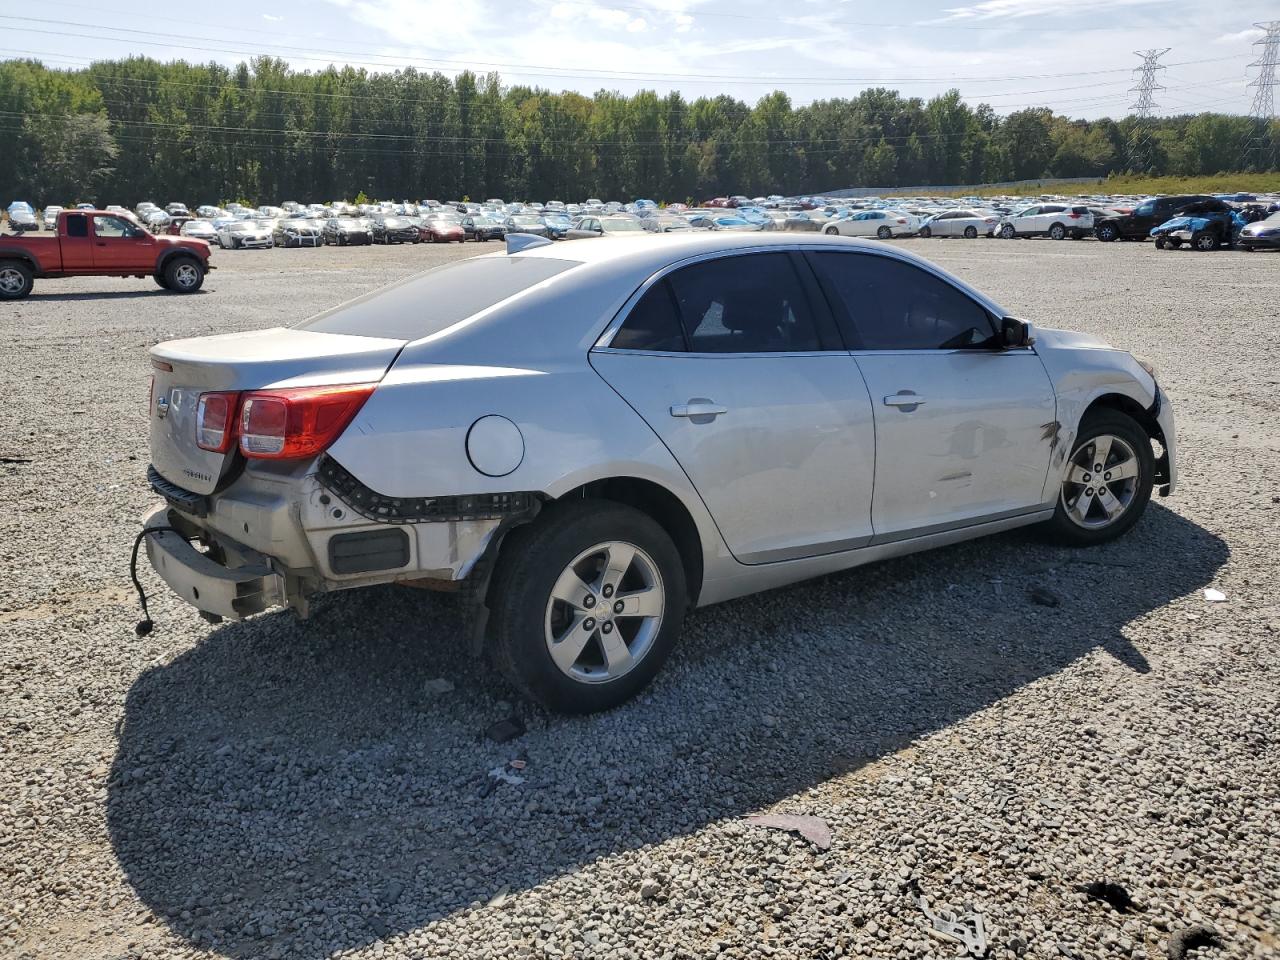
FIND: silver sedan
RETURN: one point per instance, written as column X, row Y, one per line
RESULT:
column 597, row 437
column 969, row 224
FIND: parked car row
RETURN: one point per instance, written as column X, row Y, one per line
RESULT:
column 1228, row 219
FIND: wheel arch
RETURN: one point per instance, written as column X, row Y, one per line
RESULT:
column 168, row 257
column 1145, row 417
column 22, row 256
column 664, row 508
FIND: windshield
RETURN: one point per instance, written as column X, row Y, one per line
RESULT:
column 430, row 302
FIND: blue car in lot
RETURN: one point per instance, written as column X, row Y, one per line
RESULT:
column 1206, row 225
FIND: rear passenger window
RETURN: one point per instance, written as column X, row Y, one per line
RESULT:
column 653, row 323
column 887, row 304
column 77, row 225
column 745, row 304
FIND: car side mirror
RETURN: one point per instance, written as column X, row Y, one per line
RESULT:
column 1015, row 334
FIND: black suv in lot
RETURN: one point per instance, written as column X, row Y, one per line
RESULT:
column 1147, row 214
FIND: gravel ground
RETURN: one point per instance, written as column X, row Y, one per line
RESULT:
column 275, row 789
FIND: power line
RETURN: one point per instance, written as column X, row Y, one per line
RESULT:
column 1140, row 138
column 1263, row 148
column 525, row 69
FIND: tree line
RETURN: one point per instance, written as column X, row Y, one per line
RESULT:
column 126, row 130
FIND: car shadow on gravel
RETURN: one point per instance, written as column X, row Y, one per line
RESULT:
column 107, row 295
column 288, row 789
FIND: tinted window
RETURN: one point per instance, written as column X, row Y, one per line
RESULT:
column 429, row 302
column 1146, row 209
column 886, row 304
column 745, row 304
column 77, row 226
column 653, row 324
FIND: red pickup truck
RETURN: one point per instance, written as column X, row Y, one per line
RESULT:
column 98, row 243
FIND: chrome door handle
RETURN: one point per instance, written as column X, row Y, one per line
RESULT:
column 904, row 400
column 698, row 409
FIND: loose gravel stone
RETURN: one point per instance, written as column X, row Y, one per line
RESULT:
column 275, row 788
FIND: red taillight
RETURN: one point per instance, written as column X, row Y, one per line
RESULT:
column 215, row 421
column 1075, row 216
column 285, row 424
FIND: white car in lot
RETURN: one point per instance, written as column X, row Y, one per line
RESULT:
column 1058, row 221
column 246, row 235
column 969, row 224
column 592, row 438
column 882, row 224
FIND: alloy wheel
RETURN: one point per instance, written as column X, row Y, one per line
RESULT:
column 604, row 612
column 1101, row 482
column 186, row 275
column 12, row 280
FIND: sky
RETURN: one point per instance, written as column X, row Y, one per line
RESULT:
column 1075, row 56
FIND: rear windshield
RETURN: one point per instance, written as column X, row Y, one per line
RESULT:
column 429, row 302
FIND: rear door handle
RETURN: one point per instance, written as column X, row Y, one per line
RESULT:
column 904, row 400
column 698, row 409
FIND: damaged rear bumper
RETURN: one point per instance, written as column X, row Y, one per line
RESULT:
column 210, row 586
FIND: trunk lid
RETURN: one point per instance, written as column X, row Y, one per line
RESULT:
column 258, row 360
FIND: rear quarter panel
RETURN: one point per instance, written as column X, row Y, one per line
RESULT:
column 410, row 438
column 44, row 253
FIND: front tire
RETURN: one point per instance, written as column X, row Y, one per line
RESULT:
column 971, row 233
column 925, row 233
column 1205, row 241
column 1057, row 232
column 586, row 604
column 1108, row 480
column 16, row 280
column 831, row 232
column 183, row 275
column 1007, row 232
column 1107, row 233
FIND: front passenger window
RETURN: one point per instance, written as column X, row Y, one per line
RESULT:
column 886, row 304
column 112, row 227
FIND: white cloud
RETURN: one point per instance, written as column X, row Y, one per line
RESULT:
column 270, row 18
column 1241, row 36
column 995, row 9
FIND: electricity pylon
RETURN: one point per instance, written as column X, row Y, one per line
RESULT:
column 1140, row 140
column 1262, row 152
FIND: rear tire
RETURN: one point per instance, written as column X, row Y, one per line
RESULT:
column 569, row 545
column 183, row 275
column 884, row 233
column 1160, row 243
column 1090, row 512
column 831, row 232
column 925, row 233
column 1205, row 240
column 971, row 233
column 1107, row 233
column 1007, row 232
column 160, row 280
column 16, row 280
